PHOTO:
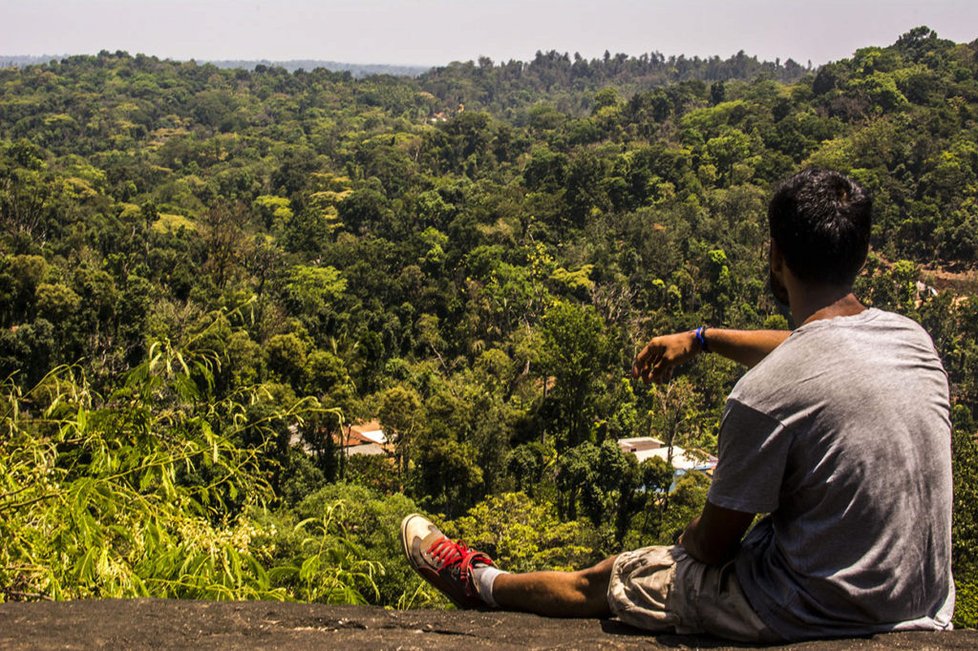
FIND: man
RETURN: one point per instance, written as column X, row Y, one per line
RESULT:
column 839, row 431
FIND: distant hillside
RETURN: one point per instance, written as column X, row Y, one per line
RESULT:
column 20, row 61
column 568, row 82
column 358, row 70
column 545, row 73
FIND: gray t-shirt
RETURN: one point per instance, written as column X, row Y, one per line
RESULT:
column 842, row 434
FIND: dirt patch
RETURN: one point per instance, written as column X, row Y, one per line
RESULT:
column 962, row 282
column 164, row 624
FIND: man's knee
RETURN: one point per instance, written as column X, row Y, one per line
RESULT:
column 593, row 582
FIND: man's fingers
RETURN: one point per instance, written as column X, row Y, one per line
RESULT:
column 662, row 373
column 648, row 356
column 637, row 369
column 641, row 357
column 648, row 363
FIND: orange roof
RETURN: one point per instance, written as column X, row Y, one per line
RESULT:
column 356, row 435
column 366, row 426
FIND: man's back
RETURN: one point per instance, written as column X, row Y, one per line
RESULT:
column 843, row 435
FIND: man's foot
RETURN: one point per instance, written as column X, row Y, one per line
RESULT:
column 445, row 564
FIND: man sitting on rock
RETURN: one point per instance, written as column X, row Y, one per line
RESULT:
column 839, row 432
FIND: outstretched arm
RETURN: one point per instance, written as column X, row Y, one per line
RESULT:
column 748, row 347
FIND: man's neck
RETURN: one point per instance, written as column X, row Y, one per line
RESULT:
column 824, row 303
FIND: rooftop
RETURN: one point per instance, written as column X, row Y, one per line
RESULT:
column 646, row 447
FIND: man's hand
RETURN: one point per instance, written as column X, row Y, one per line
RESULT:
column 656, row 361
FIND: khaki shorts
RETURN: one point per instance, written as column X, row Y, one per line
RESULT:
column 664, row 589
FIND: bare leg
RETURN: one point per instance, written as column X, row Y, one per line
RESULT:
column 557, row 594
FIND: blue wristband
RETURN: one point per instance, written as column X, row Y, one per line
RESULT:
column 701, row 337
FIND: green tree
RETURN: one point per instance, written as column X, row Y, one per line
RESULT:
column 676, row 417
column 402, row 416
column 525, row 536
column 447, row 476
column 602, row 482
column 575, row 350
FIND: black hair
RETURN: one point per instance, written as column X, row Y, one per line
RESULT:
column 821, row 221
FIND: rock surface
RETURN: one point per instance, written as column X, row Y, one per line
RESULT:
column 198, row 625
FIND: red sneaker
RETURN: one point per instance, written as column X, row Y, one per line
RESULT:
column 443, row 563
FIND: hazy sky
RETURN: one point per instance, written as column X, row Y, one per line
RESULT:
column 430, row 32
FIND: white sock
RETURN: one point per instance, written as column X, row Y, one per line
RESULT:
column 484, row 578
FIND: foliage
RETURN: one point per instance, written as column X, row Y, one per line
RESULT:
column 574, row 352
column 522, row 535
column 966, row 604
column 965, row 523
column 370, row 525
column 686, row 501
column 140, row 494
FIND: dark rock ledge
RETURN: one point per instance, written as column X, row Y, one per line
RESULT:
column 198, row 625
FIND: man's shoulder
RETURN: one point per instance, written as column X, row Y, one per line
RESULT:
column 848, row 339
column 770, row 383
column 884, row 318
column 881, row 325
column 834, row 360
